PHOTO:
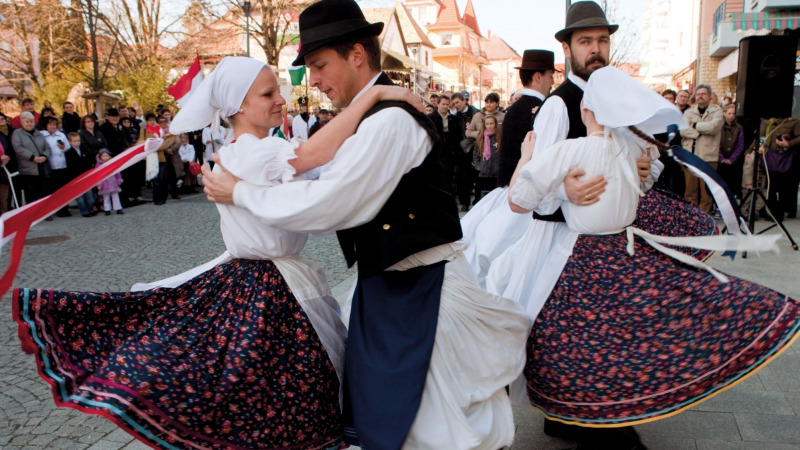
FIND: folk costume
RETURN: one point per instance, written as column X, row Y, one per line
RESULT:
column 631, row 332
column 301, row 124
column 491, row 214
column 244, row 354
column 407, row 384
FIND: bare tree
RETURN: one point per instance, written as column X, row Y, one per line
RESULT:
column 138, row 27
column 270, row 22
column 625, row 42
column 19, row 58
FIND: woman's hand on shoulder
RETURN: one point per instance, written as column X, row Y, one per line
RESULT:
column 526, row 150
column 397, row 93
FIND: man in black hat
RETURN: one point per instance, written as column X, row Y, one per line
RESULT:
column 586, row 41
column 387, row 194
column 301, row 124
column 536, row 74
column 112, row 130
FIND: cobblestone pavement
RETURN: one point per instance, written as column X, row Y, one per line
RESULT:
column 149, row 243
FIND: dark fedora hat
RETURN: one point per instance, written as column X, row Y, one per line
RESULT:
column 538, row 60
column 332, row 22
column 582, row 15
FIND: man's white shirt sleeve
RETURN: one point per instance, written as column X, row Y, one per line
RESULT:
column 551, row 127
column 363, row 174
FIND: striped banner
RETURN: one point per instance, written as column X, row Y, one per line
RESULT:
column 765, row 20
column 15, row 224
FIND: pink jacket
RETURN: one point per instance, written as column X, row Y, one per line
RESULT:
column 111, row 184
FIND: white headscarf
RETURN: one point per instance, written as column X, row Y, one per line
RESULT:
column 219, row 96
column 618, row 100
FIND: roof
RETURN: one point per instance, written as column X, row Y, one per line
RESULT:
column 412, row 32
column 448, row 16
column 496, row 49
column 379, row 15
column 470, row 19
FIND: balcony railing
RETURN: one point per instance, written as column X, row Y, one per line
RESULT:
column 724, row 11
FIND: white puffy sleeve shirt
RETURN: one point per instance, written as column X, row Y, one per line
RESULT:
column 363, row 174
column 548, row 166
column 261, row 163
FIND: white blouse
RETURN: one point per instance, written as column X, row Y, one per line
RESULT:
column 597, row 155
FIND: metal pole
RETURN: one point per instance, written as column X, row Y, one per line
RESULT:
column 566, row 65
column 246, row 7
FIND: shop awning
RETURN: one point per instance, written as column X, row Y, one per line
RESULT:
column 765, row 20
column 397, row 62
column 729, row 65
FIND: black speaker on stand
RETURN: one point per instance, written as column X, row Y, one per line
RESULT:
column 764, row 89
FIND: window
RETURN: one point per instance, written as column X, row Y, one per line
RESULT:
column 447, row 38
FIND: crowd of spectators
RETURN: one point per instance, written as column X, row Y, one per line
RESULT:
column 41, row 152
column 716, row 136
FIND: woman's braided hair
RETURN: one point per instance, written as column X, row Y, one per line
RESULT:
column 645, row 137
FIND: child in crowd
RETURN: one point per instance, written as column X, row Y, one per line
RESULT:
column 485, row 157
column 77, row 164
column 187, row 154
column 110, row 188
column 152, row 130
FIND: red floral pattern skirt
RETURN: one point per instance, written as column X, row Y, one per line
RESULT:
column 630, row 339
column 227, row 360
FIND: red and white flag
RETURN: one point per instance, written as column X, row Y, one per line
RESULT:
column 186, row 84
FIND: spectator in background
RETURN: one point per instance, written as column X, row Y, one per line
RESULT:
column 727, row 100
column 27, row 105
column 450, row 130
column 109, row 188
column 731, row 149
column 116, row 139
column 682, row 100
column 187, row 155
column 33, row 154
column 703, row 136
column 213, row 142
column 8, row 160
column 303, row 121
column 486, row 157
column 92, row 140
column 434, row 99
column 776, row 157
column 669, row 94
column 59, row 175
column 475, row 131
column 77, row 164
column 70, row 120
column 324, row 118
column 134, row 175
column 42, row 121
column 170, row 167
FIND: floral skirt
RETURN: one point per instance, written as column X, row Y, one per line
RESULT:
column 227, row 360
column 663, row 213
column 630, row 339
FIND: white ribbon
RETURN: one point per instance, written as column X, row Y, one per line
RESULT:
column 718, row 243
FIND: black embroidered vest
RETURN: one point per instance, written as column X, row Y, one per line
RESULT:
column 420, row 214
column 571, row 95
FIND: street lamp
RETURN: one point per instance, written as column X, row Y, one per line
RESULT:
column 246, row 8
column 414, row 49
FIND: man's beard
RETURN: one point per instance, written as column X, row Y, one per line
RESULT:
column 583, row 71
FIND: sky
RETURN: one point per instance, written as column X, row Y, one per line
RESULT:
column 527, row 24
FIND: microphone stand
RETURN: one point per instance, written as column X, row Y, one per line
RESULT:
column 754, row 193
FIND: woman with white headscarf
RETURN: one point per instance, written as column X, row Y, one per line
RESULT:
column 247, row 353
column 630, row 331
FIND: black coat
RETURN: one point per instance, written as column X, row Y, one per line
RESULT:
column 517, row 123
column 9, row 150
column 78, row 164
column 116, row 138
column 451, row 139
column 92, row 143
column 71, row 123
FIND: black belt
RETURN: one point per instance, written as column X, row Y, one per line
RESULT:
column 557, row 216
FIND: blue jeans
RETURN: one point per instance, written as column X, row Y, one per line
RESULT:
column 85, row 202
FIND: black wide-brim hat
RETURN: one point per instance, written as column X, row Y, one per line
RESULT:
column 538, row 60
column 332, row 22
column 582, row 15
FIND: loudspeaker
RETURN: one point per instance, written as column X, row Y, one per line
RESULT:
column 765, row 86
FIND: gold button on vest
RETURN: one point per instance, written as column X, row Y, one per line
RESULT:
column 411, row 216
column 386, row 226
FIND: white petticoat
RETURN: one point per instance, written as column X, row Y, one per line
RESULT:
column 478, row 351
column 491, row 227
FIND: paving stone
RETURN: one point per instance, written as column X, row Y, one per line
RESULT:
column 794, row 399
column 769, row 428
column 136, row 445
column 668, row 443
column 118, row 435
column 753, row 402
column 704, row 444
column 106, row 445
column 694, row 425
column 42, row 440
